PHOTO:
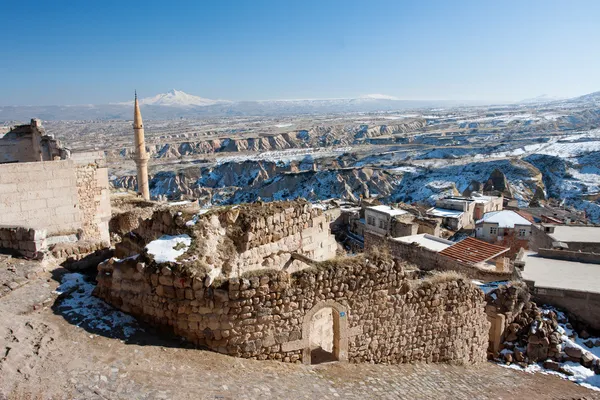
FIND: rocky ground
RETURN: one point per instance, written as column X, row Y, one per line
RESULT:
column 541, row 338
column 63, row 346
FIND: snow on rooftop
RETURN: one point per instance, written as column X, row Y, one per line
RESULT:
column 504, row 219
column 444, row 212
column 428, row 241
column 480, row 198
column 388, row 210
column 167, row 248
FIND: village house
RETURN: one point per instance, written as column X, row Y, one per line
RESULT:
column 578, row 238
column 461, row 212
column 381, row 219
column 506, row 226
column 485, row 204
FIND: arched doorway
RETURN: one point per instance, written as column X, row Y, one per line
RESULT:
column 322, row 336
column 325, row 329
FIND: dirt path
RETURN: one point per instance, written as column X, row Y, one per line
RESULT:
column 44, row 356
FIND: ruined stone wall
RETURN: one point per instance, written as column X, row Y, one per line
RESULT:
column 243, row 239
column 17, row 149
column 93, row 195
column 429, row 260
column 27, row 242
column 29, row 143
column 379, row 315
column 40, row 195
column 61, row 197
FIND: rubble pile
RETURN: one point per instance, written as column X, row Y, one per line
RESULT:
column 541, row 334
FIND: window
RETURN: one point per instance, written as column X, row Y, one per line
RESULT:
column 371, row 221
column 493, row 230
column 382, row 224
column 522, row 232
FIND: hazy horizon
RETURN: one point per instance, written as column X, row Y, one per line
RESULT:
column 492, row 52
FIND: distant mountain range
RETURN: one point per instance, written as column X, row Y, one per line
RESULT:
column 177, row 98
column 178, row 104
column 544, row 98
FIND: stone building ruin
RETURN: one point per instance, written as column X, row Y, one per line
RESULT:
column 29, row 143
column 48, row 195
column 262, row 281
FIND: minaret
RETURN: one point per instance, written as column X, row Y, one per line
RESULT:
column 141, row 157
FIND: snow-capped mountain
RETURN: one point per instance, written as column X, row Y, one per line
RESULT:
column 178, row 104
column 177, row 98
column 544, row 98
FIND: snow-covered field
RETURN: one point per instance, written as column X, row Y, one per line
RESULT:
column 287, row 155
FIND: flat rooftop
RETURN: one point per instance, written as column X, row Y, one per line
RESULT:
column 561, row 274
column 444, row 212
column 428, row 241
column 457, row 199
column 387, row 210
column 571, row 233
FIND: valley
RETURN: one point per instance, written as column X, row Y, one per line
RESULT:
column 412, row 155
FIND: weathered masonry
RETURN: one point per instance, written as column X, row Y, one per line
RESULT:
column 28, row 143
column 355, row 309
column 52, row 196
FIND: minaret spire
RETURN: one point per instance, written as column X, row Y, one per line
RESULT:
column 141, row 157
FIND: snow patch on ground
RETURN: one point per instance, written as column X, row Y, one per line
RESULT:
column 167, row 248
column 80, row 307
column 196, row 217
column 179, row 203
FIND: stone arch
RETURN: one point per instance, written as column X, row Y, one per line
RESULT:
column 340, row 330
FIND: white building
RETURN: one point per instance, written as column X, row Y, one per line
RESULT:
column 497, row 225
column 378, row 218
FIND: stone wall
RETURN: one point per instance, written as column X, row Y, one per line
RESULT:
column 29, row 143
column 583, row 305
column 26, row 242
column 429, row 260
column 592, row 258
column 61, row 197
column 379, row 315
column 539, row 238
column 243, row 239
column 93, row 195
column 40, row 195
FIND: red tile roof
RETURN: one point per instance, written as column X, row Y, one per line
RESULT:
column 473, row 251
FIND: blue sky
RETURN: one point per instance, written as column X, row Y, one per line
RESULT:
column 80, row 52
